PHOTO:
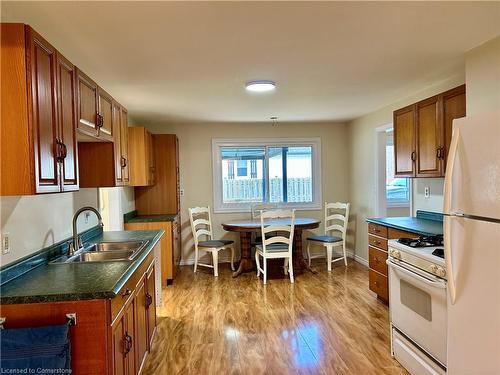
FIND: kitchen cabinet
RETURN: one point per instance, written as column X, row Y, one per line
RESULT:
column 105, row 115
column 110, row 335
column 378, row 235
column 38, row 144
column 164, row 196
column 120, row 124
column 141, row 157
column 170, row 245
column 88, row 119
column 422, row 134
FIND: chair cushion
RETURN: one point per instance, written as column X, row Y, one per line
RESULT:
column 327, row 239
column 215, row 243
column 274, row 247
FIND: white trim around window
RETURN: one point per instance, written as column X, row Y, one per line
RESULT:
column 217, row 143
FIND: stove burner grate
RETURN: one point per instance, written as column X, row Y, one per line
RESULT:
column 422, row 241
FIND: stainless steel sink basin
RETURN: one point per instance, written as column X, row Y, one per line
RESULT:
column 107, row 251
column 101, row 256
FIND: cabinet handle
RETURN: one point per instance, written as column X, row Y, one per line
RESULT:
column 149, row 300
column 413, row 156
column 126, row 292
column 64, row 150
column 99, row 123
column 440, row 152
column 58, row 150
column 124, row 162
column 127, row 343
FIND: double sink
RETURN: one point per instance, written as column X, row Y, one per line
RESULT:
column 107, row 251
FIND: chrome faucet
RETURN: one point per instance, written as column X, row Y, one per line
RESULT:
column 76, row 244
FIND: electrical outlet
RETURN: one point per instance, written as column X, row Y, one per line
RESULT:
column 86, row 215
column 427, row 192
column 5, row 243
column 181, row 192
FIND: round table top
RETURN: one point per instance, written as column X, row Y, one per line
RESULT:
column 254, row 225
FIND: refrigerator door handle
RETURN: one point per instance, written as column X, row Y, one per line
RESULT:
column 447, row 257
column 452, row 155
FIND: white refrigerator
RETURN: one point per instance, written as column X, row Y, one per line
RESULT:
column 472, row 246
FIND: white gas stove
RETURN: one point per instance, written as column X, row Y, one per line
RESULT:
column 417, row 302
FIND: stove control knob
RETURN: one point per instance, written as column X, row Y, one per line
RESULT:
column 441, row 272
column 434, row 269
column 396, row 254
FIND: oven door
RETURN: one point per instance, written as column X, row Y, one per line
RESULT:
column 418, row 307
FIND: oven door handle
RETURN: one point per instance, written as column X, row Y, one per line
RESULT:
column 425, row 280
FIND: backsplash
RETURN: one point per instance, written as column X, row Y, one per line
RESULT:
column 436, row 199
column 38, row 221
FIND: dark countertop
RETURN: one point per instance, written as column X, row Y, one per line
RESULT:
column 79, row 281
column 133, row 217
column 423, row 227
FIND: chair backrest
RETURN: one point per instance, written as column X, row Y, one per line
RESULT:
column 201, row 223
column 257, row 208
column 270, row 222
column 336, row 217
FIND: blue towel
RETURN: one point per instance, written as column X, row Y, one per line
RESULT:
column 36, row 348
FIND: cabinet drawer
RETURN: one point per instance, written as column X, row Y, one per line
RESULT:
column 396, row 233
column 376, row 260
column 379, row 284
column 378, row 230
column 375, row 241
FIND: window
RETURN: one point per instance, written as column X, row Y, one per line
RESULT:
column 281, row 171
column 397, row 189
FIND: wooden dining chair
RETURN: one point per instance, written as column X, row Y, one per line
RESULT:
column 334, row 222
column 256, row 210
column 201, row 226
column 278, row 245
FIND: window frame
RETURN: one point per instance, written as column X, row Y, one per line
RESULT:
column 315, row 143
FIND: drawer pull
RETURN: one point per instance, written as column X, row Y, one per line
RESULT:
column 376, row 283
column 126, row 292
column 128, row 343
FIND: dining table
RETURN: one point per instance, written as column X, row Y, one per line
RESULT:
column 245, row 228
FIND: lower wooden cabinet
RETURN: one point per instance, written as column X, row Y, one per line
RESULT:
column 378, row 235
column 170, row 245
column 111, row 336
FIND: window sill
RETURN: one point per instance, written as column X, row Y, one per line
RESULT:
column 398, row 205
column 235, row 210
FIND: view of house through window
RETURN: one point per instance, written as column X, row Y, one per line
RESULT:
column 245, row 177
column 397, row 189
column 277, row 173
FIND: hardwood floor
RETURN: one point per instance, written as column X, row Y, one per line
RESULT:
column 325, row 323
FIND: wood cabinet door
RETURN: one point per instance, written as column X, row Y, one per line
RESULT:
column 124, row 145
column 453, row 108
column 41, row 66
column 151, row 158
column 117, row 147
column 105, row 111
column 66, row 104
column 429, row 137
column 130, row 334
column 118, row 347
column 404, row 142
column 141, row 323
column 86, row 92
column 151, row 304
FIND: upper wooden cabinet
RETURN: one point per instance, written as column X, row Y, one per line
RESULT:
column 38, row 144
column 141, row 157
column 404, row 141
column 422, row 134
column 86, row 104
column 164, row 196
column 105, row 115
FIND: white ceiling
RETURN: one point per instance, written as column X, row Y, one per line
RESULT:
column 188, row 61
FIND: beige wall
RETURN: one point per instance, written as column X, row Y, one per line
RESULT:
column 362, row 151
column 483, row 77
column 195, row 142
column 435, row 201
column 38, row 221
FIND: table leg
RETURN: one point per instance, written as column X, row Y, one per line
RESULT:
column 299, row 263
column 246, row 262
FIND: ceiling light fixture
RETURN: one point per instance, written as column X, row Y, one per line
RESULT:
column 260, row 86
